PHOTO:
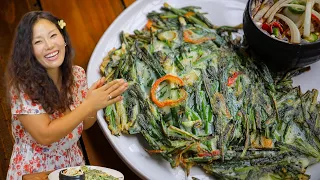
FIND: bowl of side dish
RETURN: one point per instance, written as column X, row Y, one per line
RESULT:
column 72, row 174
column 283, row 34
column 85, row 172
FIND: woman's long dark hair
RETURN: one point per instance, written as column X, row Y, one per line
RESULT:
column 26, row 74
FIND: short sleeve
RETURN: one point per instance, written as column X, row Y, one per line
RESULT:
column 81, row 85
column 22, row 104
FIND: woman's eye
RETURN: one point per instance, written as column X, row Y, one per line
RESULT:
column 37, row 42
column 53, row 35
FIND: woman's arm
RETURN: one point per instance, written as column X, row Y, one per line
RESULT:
column 45, row 131
column 89, row 121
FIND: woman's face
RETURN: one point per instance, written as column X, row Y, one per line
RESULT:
column 48, row 44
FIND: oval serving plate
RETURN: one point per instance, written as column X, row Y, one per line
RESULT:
column 131, row 148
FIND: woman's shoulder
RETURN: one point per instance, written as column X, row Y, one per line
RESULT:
column 15, row 91
column 78, row 72
column 78, row 69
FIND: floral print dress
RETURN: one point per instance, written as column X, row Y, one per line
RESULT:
column 28, row 156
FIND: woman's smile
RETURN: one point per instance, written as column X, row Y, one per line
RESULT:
column 52, row 56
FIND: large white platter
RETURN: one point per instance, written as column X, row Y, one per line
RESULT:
column 131, row 148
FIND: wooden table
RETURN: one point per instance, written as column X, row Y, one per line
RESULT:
column 36, row 176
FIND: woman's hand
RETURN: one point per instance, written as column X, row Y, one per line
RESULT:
column 101, row 95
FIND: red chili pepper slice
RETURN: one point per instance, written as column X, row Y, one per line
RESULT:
column 189, row 14
column 207, row 154
column 233, row 78
column 314, row 17
column 278, row 25
column 168, row 102
column 204, row 154
column 149, row 24
column 187, row 37
column 215, row 152
column 267, row 27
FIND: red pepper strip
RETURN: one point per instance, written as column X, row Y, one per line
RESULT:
column 204, row 154
column 208, row 154
column 278, row 25
column 215, row 152
column 155, row 151
column 314, row 17
column 187, row 37
column 168, row 102
column 189, row 14
column 267, row 28
column 149, row 24
column 233, row 78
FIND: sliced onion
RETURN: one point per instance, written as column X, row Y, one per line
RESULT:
column 270, row 18
column 273, row 8
column 317, row 1
column 255, row 7
column 168, row 35
column 300, row 22
column 294, row 17
column 307, row 18
column 294, row 31
column 260, row 13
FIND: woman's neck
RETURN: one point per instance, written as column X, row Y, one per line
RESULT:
column 55, row 75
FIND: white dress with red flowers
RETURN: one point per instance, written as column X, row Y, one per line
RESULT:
column 28, row 156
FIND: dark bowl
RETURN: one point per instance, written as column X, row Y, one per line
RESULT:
column 65, row 177
column 278, row 55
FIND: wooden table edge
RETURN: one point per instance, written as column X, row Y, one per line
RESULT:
column 36, row 176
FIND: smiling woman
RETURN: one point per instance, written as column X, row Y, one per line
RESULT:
column 50, row 101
